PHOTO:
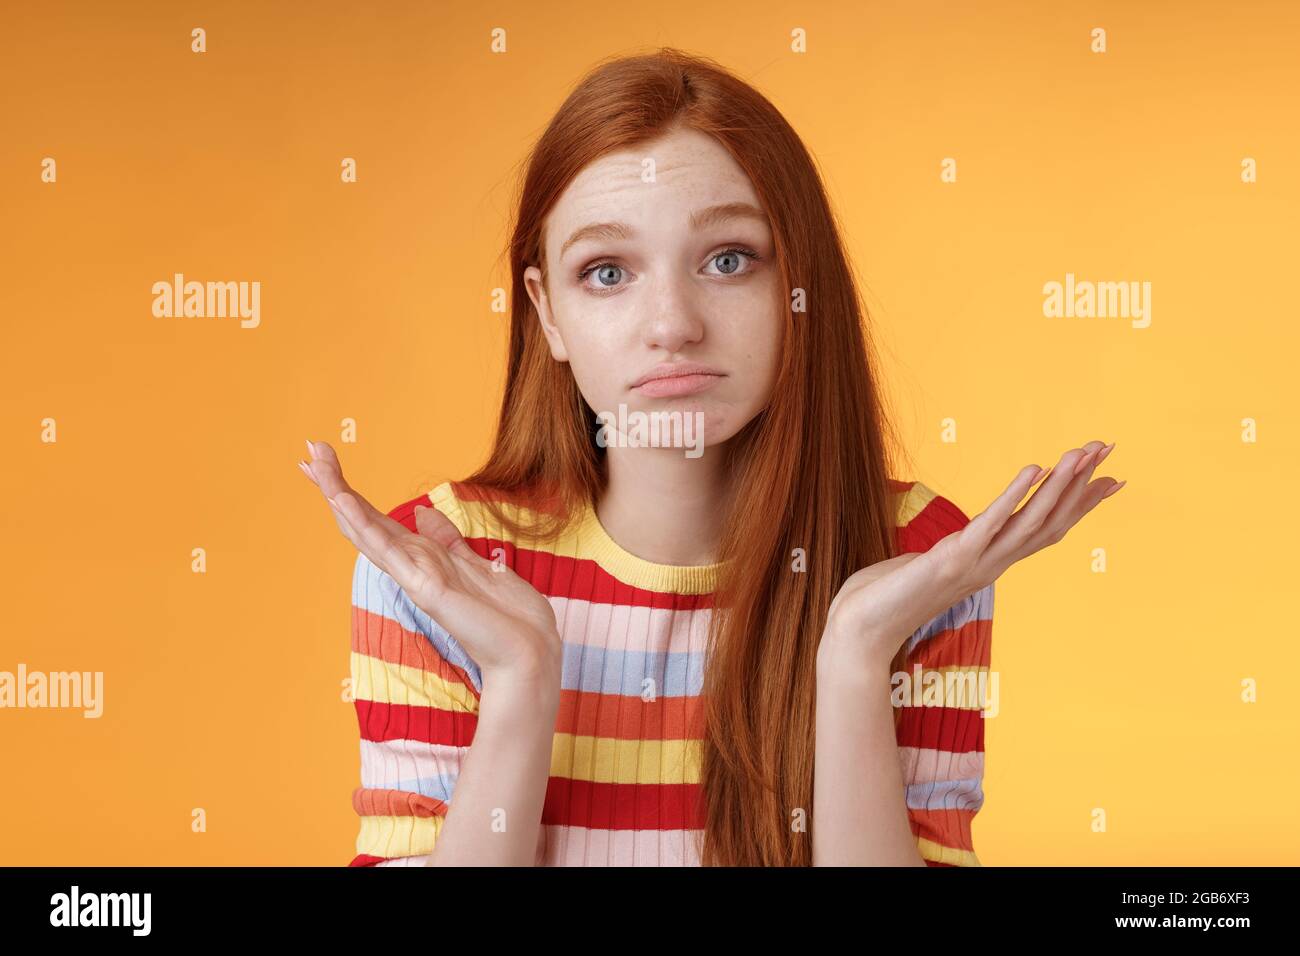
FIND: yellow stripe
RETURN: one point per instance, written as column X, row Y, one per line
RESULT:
column 473, row 519
column 398, row 836
column 445, row 500
column 584, row 539
column 606, row 760
column 388, row 683
column 912, row 502
column 939, row 853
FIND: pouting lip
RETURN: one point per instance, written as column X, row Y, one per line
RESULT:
column 675, row 370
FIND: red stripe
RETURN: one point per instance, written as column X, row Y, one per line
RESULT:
column 365, row 859
column 950, row 828
column 431, row 725
column 938, row 519
column 405, row 512
column 628, row 717
column 941, row 728
column 582, row 579
column 381, row 802
column 967, row 645
column 385, row 639
column 623, row 806
column 579, row 578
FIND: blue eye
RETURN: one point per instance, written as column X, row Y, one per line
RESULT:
column 609, row 274
column 732, row 259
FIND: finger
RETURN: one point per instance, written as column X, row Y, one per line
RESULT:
column 1096, row 492
column 328, row 473
column 389, row 555
column 1025, row 523
column 375, row 534
column 377, row 542
column 342, row 522
column 985, row 525
column 1089, row 498
column 1066, row 514
column 326, row 469
column 435, row 525
column 305, row 468
column 339, row 519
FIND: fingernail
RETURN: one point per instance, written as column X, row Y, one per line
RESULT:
column 1101, row 456
column 306, row 470
column 1115, row 489
column 1041, row 471
column 311, row 449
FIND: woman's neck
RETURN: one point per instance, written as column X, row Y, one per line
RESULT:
column 664, row 507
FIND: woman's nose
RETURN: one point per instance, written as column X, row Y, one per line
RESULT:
column 674, row 320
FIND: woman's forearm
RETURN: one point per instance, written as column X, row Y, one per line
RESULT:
column 859, row 800
column 494, row 816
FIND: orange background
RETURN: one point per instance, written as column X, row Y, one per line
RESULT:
column 223, row 690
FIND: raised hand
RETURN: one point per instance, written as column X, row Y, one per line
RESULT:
column 501, row 621
column 881, row 606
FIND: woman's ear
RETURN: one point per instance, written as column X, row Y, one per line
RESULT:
column 542, row 305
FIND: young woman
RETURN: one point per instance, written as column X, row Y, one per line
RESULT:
column 603, row 649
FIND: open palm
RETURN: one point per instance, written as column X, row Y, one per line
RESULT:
column 882, row 605
column 502, row 622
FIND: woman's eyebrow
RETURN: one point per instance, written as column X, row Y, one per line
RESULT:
column 598, row 230
column 726, row 211
column 700, row 219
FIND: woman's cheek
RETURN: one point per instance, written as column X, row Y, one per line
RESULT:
column 595, row 381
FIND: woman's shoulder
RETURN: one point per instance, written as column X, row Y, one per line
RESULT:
column 469, row 506
column 922, row 516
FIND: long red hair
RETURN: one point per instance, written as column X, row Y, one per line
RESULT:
column 809, row 472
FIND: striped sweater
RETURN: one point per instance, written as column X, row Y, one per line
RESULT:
column 625, row 760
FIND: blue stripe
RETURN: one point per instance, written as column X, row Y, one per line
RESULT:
column 974, row 607
column 439, row 787
column 946, row 795
column 375, row 591
column 600, row 670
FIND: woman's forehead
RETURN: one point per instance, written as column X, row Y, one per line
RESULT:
column 622, row 194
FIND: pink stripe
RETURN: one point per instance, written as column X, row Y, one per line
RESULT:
column 579, row 846
column 406, row 861
column 623, row 628
column 384, row 764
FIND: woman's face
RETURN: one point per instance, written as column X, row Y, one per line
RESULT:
column 660, row 261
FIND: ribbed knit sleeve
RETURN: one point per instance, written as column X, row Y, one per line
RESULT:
column 941, row 725
column 417, row 696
